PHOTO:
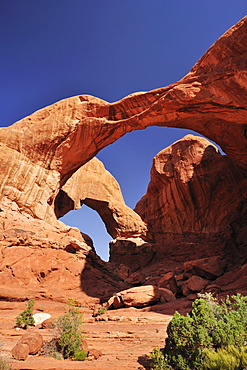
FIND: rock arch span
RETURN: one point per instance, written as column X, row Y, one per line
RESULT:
column 42, row 151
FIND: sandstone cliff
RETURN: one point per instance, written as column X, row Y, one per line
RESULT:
column 195, row 206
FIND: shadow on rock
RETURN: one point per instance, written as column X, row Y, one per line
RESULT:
column 144, row 361
column 99, row 279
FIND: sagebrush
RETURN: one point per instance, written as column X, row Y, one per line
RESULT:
column 69, row 333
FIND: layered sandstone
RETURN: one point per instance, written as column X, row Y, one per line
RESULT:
column 195, row 204
column 194, row 189
column 195, row 207
column 95, row 187
column 40, row 152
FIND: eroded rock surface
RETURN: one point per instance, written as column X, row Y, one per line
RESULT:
column 194, row 190
column 94, row 186
column 195, row 206
column 40, row 152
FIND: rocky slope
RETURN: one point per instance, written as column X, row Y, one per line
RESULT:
column 188, row 233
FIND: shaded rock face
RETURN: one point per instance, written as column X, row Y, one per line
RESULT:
column 194, row 190
column 195, row 205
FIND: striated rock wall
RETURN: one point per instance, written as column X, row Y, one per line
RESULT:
column 40, row 152
column 193, row 189
column 195, row 204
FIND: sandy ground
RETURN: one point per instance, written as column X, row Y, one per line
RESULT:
column 125, row 337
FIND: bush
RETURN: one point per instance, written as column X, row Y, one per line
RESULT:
column 102, row 310
column 4, row 363
column 50, row 349
column 229, row 358
column 69, row 332
column 80, row 355
column 209, row 325
column 25, row 318
column 157, row 360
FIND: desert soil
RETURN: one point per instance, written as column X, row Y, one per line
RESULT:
column 125, row 337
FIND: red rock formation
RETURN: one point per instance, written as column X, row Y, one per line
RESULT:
column 40, row 152
column 97, row 188
column 193, row 190
column 191, row 213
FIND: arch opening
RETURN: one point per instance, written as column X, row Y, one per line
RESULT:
column 89, row 222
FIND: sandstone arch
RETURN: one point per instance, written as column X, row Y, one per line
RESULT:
column 47, row 147
column 95, row 187
column 40, row 153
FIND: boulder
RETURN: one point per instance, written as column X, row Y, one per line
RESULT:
column 115, row 301
column 20, row 351
column 140, row 296
column 209, row 268
column 40, row 317
column 84, row 345
column 196, row 283
column 48, row 324
column 166, row 295
column 94, row 353
column 234, row 281
column 168, row 281
column 184, row 288
column 33, row 340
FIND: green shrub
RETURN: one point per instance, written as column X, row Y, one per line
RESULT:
column 57, row 355
column 25, row 318
column 69, row 332
column 80, row 355
column 229, row 358
column 157, row 360
column 102, row 310
column 209, row 325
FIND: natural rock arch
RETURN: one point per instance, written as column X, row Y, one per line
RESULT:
column 95, row 187
column 40, row 153
column 47, row 147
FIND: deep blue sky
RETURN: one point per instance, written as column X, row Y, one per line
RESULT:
column 53, row 49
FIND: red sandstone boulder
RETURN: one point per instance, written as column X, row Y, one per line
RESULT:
column 210, row 268
column 48, row 324
column 184, row 288
column 166, row 295
column 115, row 302
column 196, row 283
column 168, row 281
column 30, row 343
column 94, row 353
column 140, row 296
column 33, row 340
column 84, row 345
column 234, row 281
column 20, row 351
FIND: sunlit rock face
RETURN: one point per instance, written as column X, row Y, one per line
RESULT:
column 40, row 152
column 193, row 189
column 195, row 207
column 94, row 186
column 196, row 201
